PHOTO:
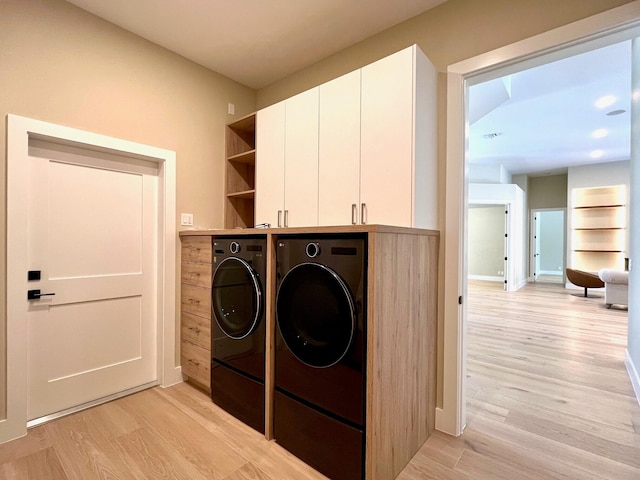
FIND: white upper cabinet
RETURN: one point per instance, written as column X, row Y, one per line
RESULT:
column 387, row 140
column 373, row 132
column 287, row 162
column 398, row 148
column 270, row 130
column 301, row 160
column 339, row 151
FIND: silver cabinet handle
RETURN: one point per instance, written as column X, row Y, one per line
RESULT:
column 363, row 213
column 279, row 218
column 354, row 214
column 286, row 218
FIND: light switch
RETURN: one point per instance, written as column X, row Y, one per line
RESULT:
column 231, row 109
column 186, row 219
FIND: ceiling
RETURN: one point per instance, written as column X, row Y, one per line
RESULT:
column 256, row 42
column 540, row 121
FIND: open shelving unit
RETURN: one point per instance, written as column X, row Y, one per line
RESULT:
column 599, row 219
column 240, row 173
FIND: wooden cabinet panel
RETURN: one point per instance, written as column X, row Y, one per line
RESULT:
column 195, row 311
column 301, row 160
column 270, row 164
column 240, row 173
column 339, row 151
column 196, row 330
column 196, row 300
column 197, row 274
column 196, row 362
column 196, row 249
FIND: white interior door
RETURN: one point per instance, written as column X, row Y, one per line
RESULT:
column 92, row 235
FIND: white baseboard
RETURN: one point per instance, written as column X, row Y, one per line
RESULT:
column 172, row 377
column 633, row 375
column 486, row 277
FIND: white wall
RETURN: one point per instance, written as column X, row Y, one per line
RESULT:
column 488, row 174
column 512, row 195
column 485, row 240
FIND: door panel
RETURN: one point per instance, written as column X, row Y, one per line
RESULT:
column 93, row 236
column 270, row 125
column 113, row 199
column 339, row 150
column 301, row 159
column 387, row 140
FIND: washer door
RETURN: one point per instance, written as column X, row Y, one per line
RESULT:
column 236, row 297
column 316, row 314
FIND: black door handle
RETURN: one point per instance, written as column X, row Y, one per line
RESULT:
column 35, row 294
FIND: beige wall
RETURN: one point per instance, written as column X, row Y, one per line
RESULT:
column 485, row 238
column 454, row 31
column 449, row 33
column 62, row 65
column 547, row 192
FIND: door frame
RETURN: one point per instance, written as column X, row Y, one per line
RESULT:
column 533, row 259
column 19, row 129
column 612, row 26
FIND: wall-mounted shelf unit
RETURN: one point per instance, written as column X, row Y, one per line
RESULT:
column 599, row 219
column 240, row 172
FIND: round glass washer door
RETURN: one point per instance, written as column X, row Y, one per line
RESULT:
column 236, row 297
column 315, row 314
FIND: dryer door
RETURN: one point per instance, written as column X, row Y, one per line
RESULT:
column 236, row 297
column 316, row 314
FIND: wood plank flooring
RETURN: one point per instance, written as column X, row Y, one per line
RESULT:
column 548, row 398
column 548, row 393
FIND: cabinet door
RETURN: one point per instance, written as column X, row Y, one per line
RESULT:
column 270, row 131
column 387, row 139
column 301, row 159
column 339, row 151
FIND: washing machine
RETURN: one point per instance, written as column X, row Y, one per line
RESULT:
column 238, row 327
column 320, row 358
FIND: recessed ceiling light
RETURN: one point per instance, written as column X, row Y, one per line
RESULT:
column 597, row 153
column 615, row 112
column 606, row 101
column 600, row 133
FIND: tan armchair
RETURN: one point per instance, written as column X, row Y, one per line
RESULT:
column 584, row 279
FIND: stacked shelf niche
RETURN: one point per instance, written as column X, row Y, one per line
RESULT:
column 599, row 227
column 240, row 173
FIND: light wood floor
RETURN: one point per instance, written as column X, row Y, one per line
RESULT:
column 549, row 398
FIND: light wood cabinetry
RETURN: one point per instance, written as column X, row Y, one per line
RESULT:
column 374, row 158
column 240, row 173
column 598, row 221
column 401, row 333
column 195, row 309
column 287, row 173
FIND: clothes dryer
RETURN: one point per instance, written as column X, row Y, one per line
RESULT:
column 320, row 358
column 238, row 327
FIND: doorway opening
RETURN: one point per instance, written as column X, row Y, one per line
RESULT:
column 619, row 24
column 547, row 235
column 547, row 245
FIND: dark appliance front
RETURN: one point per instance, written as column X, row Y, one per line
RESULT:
column 238, row 327
column 320, row 357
